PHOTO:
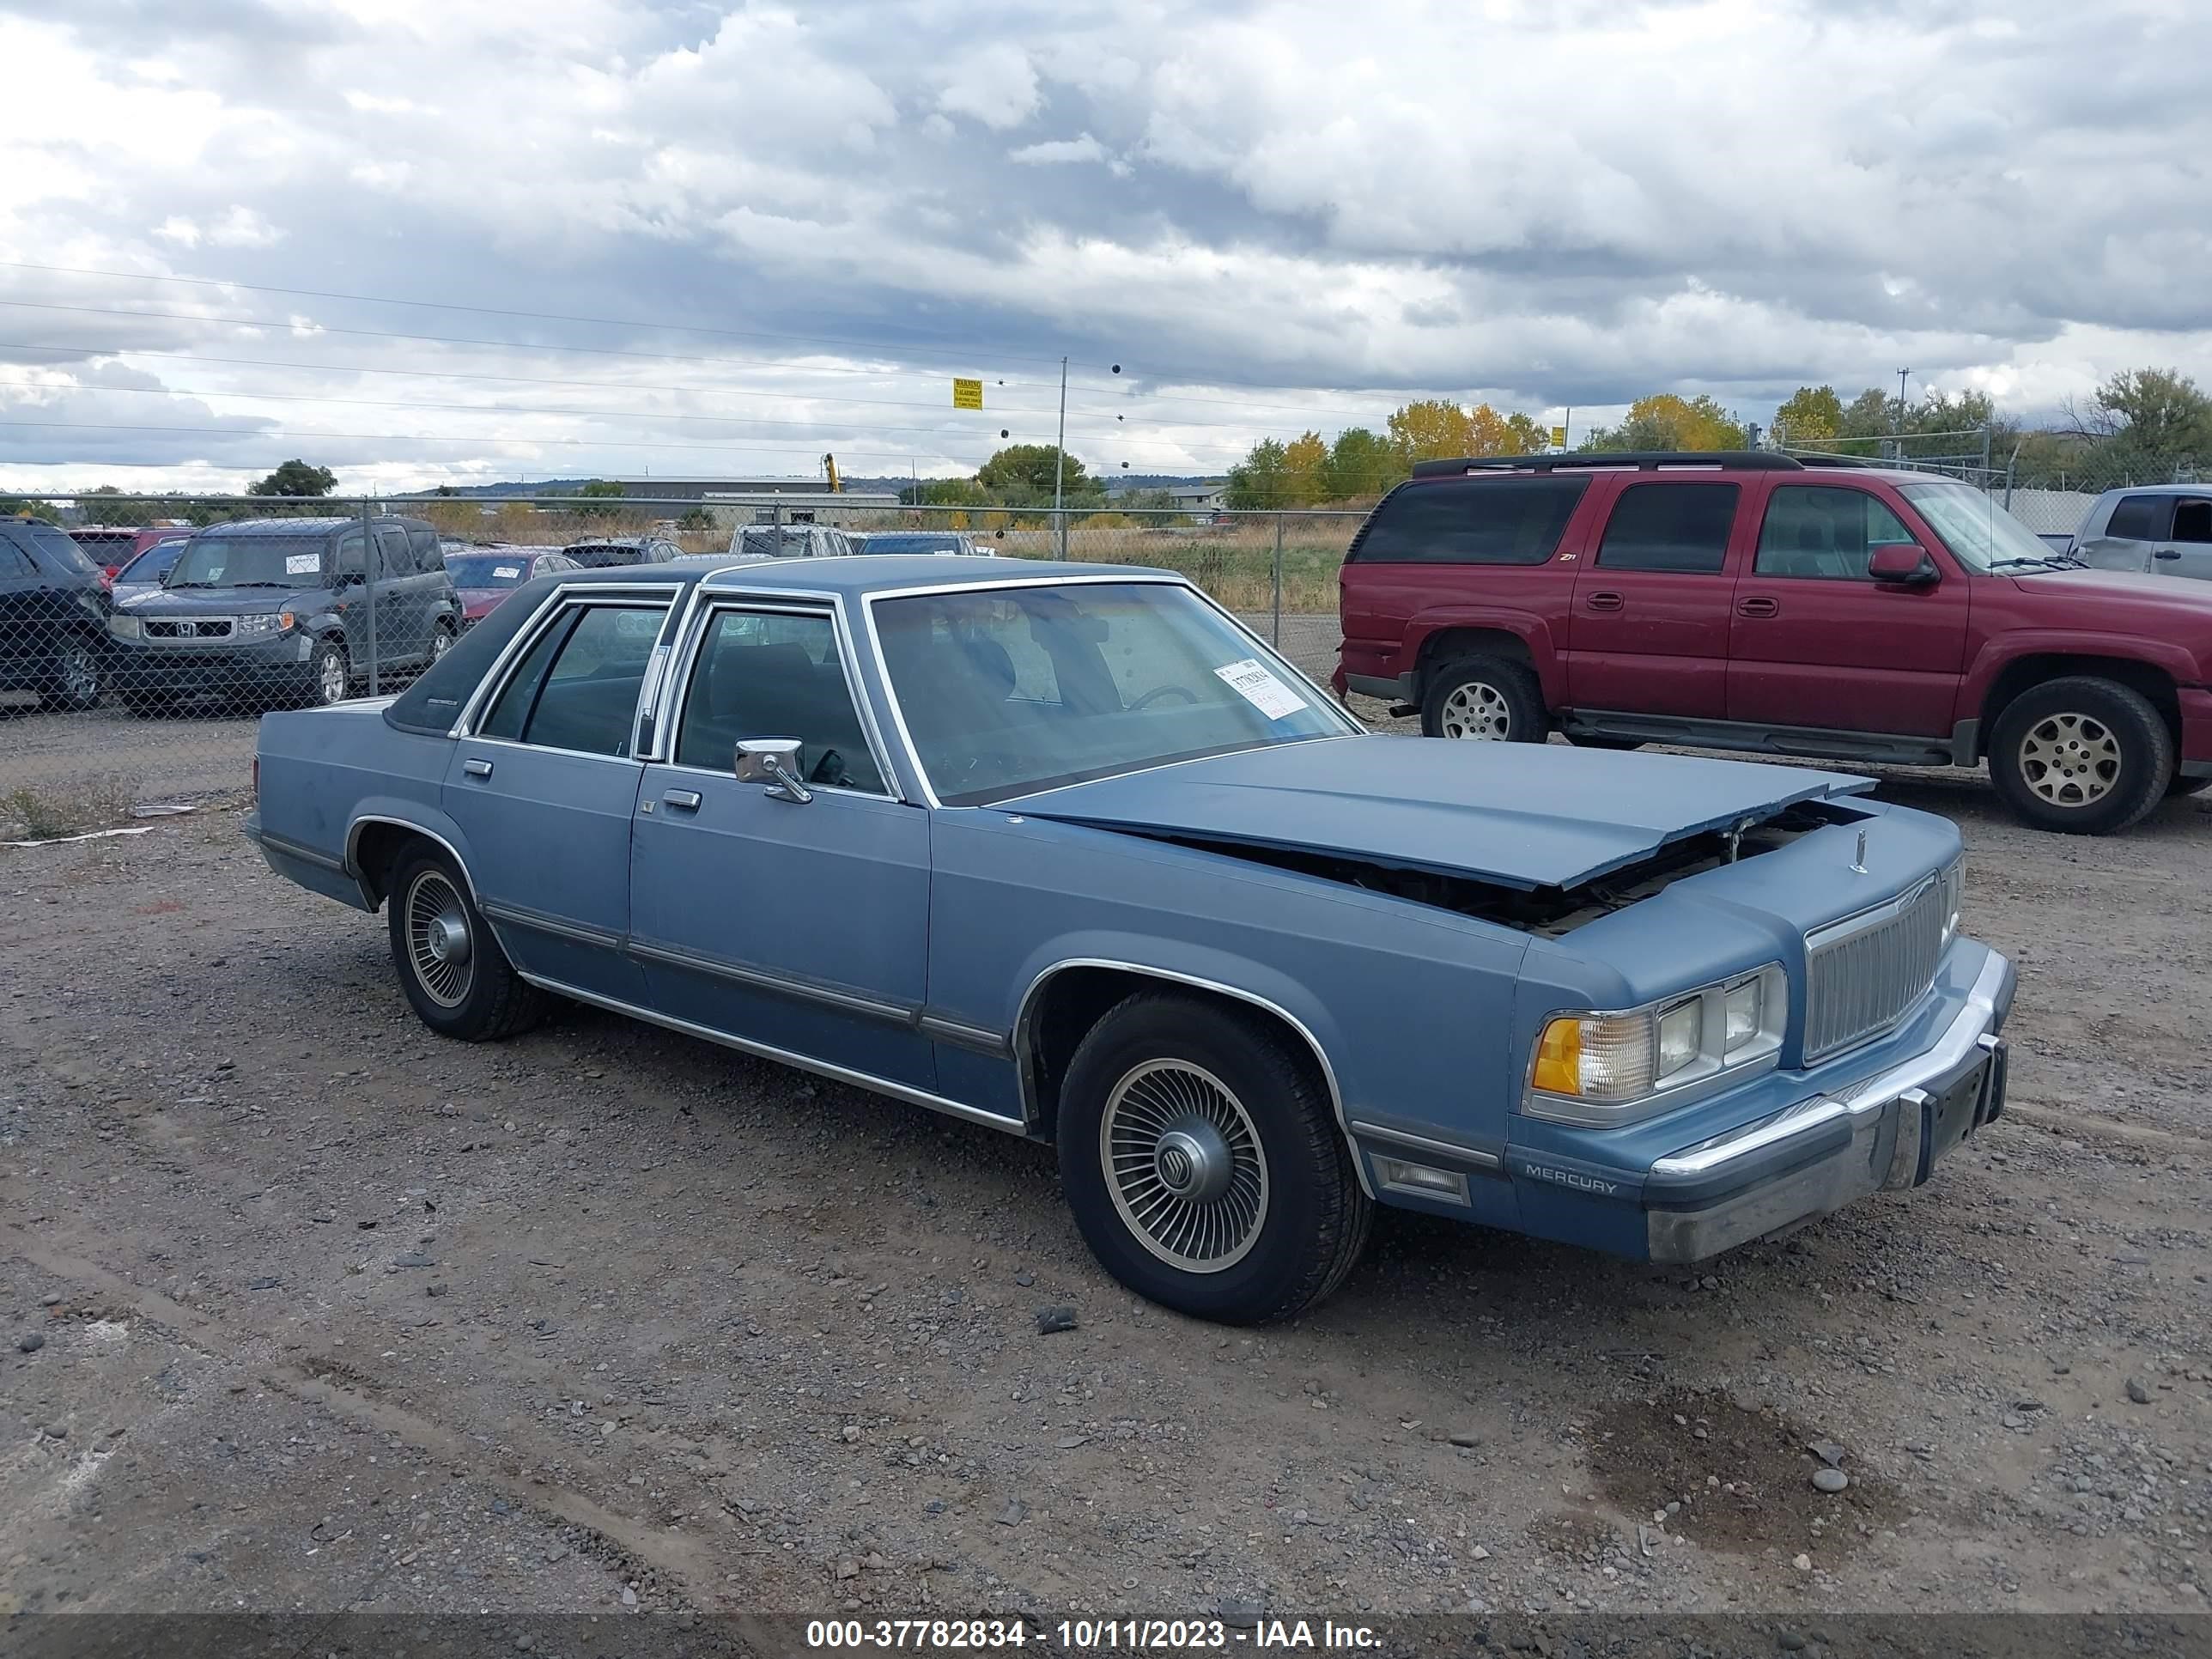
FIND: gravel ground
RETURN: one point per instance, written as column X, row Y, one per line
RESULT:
column 301, row 1307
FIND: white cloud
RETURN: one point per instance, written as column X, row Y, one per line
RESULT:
column 1059, row 150
column 996, row 85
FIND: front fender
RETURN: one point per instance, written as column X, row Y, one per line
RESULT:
column 2176, row 662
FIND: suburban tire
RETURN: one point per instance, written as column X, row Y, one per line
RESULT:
column 1221, row 1136
column 2082, row 755
column 73, row 680
column 457, row 979
column 2180, row 787
column 1484, row 697
column 329, row 676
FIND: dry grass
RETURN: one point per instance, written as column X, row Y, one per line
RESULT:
column 80, row 805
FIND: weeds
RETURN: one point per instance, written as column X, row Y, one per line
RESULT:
column 76, row 808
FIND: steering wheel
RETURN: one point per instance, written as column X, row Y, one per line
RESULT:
column 1159, row 691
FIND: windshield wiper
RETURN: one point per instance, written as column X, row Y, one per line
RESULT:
column 261, row 583
column 2048, row 562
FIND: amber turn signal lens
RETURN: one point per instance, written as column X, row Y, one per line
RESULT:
column 1559, row 1057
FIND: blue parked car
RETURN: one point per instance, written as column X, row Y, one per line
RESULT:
column 1065, row 851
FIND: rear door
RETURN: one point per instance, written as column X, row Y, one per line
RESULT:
column 545, row 785
column 1649, row 630
column 2187, row 549
column 1815, row 641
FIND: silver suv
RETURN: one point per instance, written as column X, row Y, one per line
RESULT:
column 2163, row 529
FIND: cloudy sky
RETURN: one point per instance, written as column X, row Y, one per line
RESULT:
column 471, row 239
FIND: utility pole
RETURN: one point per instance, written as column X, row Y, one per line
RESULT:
column 1059, row 466
column 1901, row 374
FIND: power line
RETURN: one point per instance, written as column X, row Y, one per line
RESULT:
column 647, row 416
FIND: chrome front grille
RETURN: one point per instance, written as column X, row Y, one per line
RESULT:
column 1862, row 974
column 187, row 627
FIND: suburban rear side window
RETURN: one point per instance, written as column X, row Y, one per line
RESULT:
column 1670, row 526
column 2139, row 518
column 1470, row 521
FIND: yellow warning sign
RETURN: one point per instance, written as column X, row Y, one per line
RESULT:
column 1559, row 437
column 967, row 394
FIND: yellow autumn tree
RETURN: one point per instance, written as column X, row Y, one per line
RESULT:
column 1305, row 471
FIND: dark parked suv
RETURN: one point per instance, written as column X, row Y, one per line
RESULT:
column 283, row 610
column 1748, row 601
column 53, row 614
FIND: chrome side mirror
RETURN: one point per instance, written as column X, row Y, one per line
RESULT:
column 774, row 761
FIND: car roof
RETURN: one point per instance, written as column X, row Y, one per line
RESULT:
column 860, row 575
column 2161, row 489
column 319, row 527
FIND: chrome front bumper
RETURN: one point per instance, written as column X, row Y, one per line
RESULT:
column 1885, row 1131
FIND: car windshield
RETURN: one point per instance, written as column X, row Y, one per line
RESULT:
column 917, row 542
column 249, row 561
column 150, row 566
column 1981, row 535
column 488, row 570
column 1006, row 691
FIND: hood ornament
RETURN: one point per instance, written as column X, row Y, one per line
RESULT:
column 1858, row 859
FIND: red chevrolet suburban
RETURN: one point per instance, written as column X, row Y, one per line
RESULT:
column 1749, row 601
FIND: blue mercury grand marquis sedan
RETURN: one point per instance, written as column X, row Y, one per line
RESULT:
column 1064, row 850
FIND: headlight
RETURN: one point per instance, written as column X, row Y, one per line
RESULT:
column 124, row 628
column 276, row 622
column 1602, row 1069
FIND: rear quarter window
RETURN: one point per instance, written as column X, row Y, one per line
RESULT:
column 1469, row 521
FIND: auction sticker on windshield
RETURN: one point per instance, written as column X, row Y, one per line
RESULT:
column 1251, row 681
column 302, row 564
column 506, row 570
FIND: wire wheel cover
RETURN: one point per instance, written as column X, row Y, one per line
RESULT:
column 1184, row 1165
column 438, row 943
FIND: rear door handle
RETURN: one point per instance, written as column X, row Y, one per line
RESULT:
column 1602, row 602
column 1757, row 607
column 684, row 800
column 477, row 769
column 2167, row 553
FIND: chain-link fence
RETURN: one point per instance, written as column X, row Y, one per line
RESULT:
column 2048, row 484
column 135, row 658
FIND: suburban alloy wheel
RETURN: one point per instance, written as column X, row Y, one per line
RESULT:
column 1487, row 699
column 456, row 978
column 1201, row 1157
column 2085, row 755
column 329, row 676
column 75, row 676
column 438, row 945
column 1184, row 1165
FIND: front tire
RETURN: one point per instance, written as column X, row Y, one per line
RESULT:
column 457, row 979
column 330, row 675
column 2083, row 756
column 74, row 681
column 1202, row 1160
column 1485, row 698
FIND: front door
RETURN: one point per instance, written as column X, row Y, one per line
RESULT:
column 1649, row 630
column 1815, row 641
column 544, row 789
column 801, row 925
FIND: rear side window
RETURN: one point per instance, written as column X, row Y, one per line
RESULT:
column 2139, row 518
column 1470, row 521
column 577, row 687
column 14, row 561
column 61, row 550
column 1670, row 526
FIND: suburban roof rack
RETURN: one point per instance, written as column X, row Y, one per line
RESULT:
column 1741, row 460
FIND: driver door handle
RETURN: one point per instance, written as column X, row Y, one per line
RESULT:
column 477, row 769
column 683, row 800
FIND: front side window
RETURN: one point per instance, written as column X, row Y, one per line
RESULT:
column 1681, row 527
column 2192, row 521
column 772, row 674
column 214, row 560
column 1815, row 531
column 393, row 558
column 577, row 686
column 2138, row 519
column 1498, row 520
column 1007, row 691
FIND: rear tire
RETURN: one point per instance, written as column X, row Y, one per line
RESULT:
column 2082, row 755
column 1271, row 1216
column 457, row 979
column 1490, row 698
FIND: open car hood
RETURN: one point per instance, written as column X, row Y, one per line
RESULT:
column 1521, row 815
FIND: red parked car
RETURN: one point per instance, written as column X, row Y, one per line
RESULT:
column 484, row 576
column 112, row 546
column 1753, row 602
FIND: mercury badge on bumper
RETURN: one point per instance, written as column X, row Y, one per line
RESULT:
column 1068, row 853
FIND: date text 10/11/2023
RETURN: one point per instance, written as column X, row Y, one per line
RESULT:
column 1088, row 1634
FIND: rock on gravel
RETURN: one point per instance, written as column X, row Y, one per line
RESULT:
column 1049, row 1319
column 30, row 1342
column 2138, row 1391
column 1831, row 1479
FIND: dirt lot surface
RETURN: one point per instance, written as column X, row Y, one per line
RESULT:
column 301, row 1307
